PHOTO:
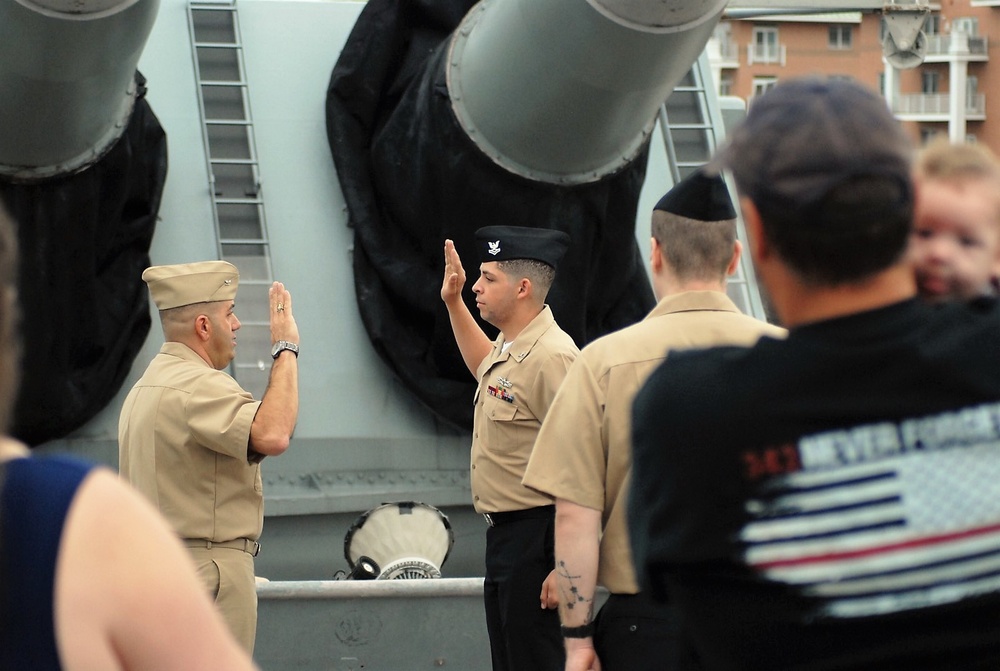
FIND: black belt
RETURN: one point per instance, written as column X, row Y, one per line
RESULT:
column 496, row 519
column 252, row 548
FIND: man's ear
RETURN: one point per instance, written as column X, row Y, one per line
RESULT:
column 524, row 287
column 203, row 327
column 735, row 261
column 655, row 255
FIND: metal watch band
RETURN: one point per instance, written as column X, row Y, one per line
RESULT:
column 283, row 345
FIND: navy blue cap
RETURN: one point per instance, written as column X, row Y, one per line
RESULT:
column 699, row 197
column 506, row 243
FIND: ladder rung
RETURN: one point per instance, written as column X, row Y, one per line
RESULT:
column 222, row 83
column 239, row 201
column 243, row 241
column 232, row 161
column 690, row 126
column 228, row 122
column 218, row 45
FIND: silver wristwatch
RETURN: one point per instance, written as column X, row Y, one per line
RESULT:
column 281, row 346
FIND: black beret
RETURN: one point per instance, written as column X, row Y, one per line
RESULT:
column 699, row 197
column 504, row 243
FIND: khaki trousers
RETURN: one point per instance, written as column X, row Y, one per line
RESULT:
column 228, row 575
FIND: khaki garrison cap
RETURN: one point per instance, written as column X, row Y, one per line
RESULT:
column 189, row 283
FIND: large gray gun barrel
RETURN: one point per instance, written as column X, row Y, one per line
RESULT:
column 445, row 115
column 83, row 162
column 67, row 80
column 566, row 91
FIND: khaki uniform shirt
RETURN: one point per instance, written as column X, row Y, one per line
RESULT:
column 515, row 390
column 182, row 441
column 583, row 453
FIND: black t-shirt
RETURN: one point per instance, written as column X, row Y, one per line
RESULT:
column 830, row 501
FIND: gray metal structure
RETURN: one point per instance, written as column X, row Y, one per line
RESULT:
column 66, row 103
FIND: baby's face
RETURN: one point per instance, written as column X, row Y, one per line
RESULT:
column 955, row 245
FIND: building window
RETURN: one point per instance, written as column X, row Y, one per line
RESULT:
column 765, row 45
column 967, row 24
column 762, row 85
column 840, row 37
column 725, row 86
column 929, row 81
column 972, row 94
column 932, row 24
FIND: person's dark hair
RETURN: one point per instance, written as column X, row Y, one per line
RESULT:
column 858, row 229
column 10, row 317
column 540, row 273
column 695, row 250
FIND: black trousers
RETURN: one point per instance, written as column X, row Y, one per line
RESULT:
column 523, row 636
column 634, row 633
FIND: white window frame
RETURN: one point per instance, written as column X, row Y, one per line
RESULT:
column 765, row 46
column 840, row 36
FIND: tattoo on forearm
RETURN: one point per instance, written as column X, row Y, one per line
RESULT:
column 573, row 597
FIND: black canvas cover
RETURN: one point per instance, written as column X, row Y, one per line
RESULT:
column 84, row 242
column 412, row 178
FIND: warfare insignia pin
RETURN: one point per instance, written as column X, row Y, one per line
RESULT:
column 504, row 382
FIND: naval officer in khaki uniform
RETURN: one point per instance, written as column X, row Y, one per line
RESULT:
column 582, row 456
column 191, row 439
column 519, row 374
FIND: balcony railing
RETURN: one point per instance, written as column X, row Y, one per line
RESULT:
column 729, row 51
column 937, row 103
column 758, row 53
column 939, row 45
column 723, row 53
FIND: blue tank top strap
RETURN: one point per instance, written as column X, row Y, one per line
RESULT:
column 34, row 500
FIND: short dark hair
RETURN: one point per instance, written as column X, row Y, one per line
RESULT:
column 540, row 273
column 695, row 250
column 10, row 319
column 858, row 229
column 827, row 166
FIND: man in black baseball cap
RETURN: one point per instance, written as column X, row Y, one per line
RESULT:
column 518, row 376
column 825, row 501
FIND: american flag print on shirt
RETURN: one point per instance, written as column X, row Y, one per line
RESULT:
column 885, row 517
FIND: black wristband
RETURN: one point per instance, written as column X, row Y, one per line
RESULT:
column 583, row 631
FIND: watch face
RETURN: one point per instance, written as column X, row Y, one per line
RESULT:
column 281, row 346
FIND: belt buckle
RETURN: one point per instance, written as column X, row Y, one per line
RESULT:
column 255, row 546
column 489, row 519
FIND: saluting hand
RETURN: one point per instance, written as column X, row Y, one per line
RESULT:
column 283, row 326
column 454, row 274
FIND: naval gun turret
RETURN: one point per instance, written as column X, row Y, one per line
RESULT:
column 447, row 116
column 82, row 167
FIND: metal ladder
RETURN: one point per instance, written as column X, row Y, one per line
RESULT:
column 234, row 179
column 692, row 126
